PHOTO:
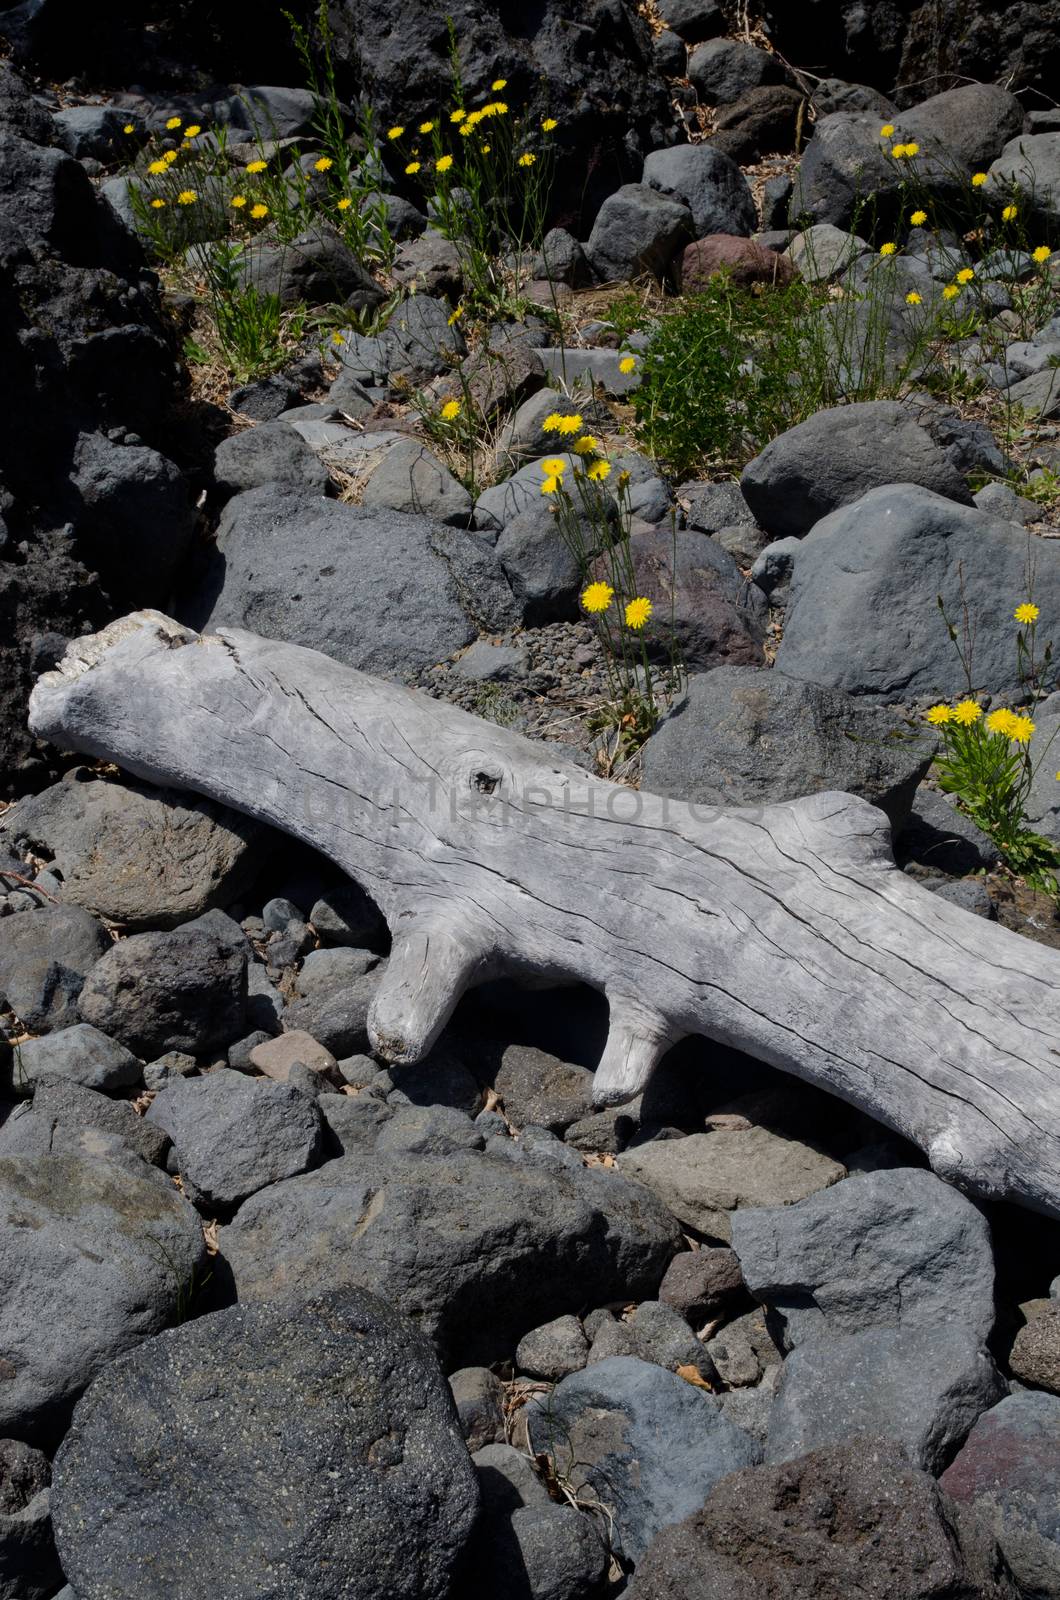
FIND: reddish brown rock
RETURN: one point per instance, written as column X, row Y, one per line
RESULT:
column 746, row 263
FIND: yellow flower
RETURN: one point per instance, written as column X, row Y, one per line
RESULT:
column 498, row 84
column 336, row 337
column 443, row 163
column 485, row 148
column 951, row 291
column 187, row 197
column 1020, row 729
column 597, row 597
column 912, row 298
column 623, row 479
column 174, row 122
column 157, row 204
column 1042, row 253
column 555, row 422
column 966, row 712
column 394, row 133
column 1009, row 213
column 548, row 124
column 450, row 410
column 888, row 249
column 238, row 200
column 426, row 127
column 549, row 485
column 498, row 109
column 192, row 131
column 527, row 160
column 637, row 612
column 965, row 275
column 898, row 151
column 466, row 127
column 323, row 164
column 473, row 119
column 129, row 128
column 256, row 166
column 457, row 116
column 553, row 466
column 918, row 218
column 157, row 167
column 169, row 157
column 344, row 204
column 887, row 130
column 978, row 179
column 413, row 166
column 912, row 149
column 259, row 211
column 586, row 445
column 1000, row 721
column 938, row 715
column 454, row 316
column 599, row 471
column 627, row 364
column 1026, row 612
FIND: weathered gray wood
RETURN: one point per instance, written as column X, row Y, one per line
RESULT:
column 785, row 931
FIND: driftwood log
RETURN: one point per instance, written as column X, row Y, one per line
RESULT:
column 785, row 931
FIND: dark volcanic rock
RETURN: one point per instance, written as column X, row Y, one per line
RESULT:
column 855, row 1522
column 94, row 1258
column 29, row 1567
column 416, row 1229
column 85, row 360
column 45, row 956
column 345, row 1472
column 184, row 990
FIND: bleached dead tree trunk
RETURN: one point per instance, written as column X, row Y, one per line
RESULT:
column 785, row 931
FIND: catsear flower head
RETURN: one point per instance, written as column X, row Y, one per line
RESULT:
column 966, row 712
column 597, row 597
column 259, row 211
column 1000, row 722
column 918, row 218
column 966, row 275
column 888, row 249
column 1028, row 612
column 187, row 197
column 951, row 291
column 549, row 124
column 323, row 164
column 553, row 466
column 192, row 131
column 637, row 612
column 887, row 131
column 498, row 84
column 156, row 168
column 586, row 445
column 344, row 204
column 627, row 365
column 978, row 179
column 555, row 422
column 443, row 163
column 937, row 715
column 413, row 166
column 174, row 122
column 913, row 299
column 599, row 471
column 450, row 410
column 1021, row 729
column 1009, row 213
column 238, row 201
column 527, row 159
column 1042, row 253
column 256, row 166
column 395, row 132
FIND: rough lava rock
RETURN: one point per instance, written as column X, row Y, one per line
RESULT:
column 747, row 737
column 46, row 954
column 135, row 854
column 94, row 1258
column 345, row 1472
column 637, row 230
column 29, row 1567
column 709, row 183
column 416, row 1229
column 180, row 990
column 855, row 1521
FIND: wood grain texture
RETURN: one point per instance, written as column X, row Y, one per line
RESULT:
column 785, row 931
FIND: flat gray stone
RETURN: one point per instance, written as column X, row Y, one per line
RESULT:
column 410, row 478
column 80, row 1054
column 705, row 1177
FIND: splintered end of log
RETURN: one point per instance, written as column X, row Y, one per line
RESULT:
column 432, row 963
column 637, row 1040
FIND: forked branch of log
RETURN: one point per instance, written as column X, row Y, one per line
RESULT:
column 785, row 931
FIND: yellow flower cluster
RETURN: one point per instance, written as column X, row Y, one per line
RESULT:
column 597, row 597
column 1015, row 726
column 555, row 422
column 903, row 152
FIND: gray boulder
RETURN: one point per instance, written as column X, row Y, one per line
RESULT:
column 889, row 556
column 140, row 856
column 94, row 131
column 341, row 1451
column 940, row 838
column 844, row 162
column 540, row 1090
column 66, row 1119
column 45, row 955
column 135, row 515
column 706, row 1177
column 922, row 1386
column 417, row 1228
column 1043, row 801
column 960, row 131
column 1008, row 1471
column 637, row 231
column 273, row 452
column 316, row 268
column 708, row 183
column 410, row 478
column 554, row 1350
column 1035, row 1355
column 95, row 1258
column 541, row 567
column 693, row 20
column 169, row 991
column 538, row 1552
column 724, row 69
column 836, row 456
column 1029, row 166
column 478, row 1395
column 428, row 1130
column 29, row 1567
column 80, row 1054
column 700, row 1284
column 748, row 737
column 417, row 344
column 895, row 1249
column 849, row 1522
column 283, row 569
column 822, row 251
column 234, row 1134
column 710, row 507
column 562, row 260
column 640, row 1439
